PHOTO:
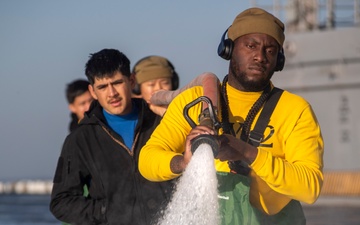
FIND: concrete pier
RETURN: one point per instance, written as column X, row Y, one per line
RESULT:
column 26, row 187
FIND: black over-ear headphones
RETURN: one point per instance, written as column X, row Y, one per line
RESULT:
column 226, row 46
column 280, row 60
column 174, row 77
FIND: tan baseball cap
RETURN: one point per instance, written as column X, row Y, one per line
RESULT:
column 152, row 67
column 256, row 20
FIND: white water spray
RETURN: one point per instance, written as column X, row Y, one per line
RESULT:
column 195, row 200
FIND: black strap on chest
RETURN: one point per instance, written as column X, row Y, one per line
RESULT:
column 257, row 134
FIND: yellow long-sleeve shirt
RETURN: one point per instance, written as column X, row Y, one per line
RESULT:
column 289, row 161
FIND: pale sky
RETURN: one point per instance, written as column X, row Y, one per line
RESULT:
column 45, row 44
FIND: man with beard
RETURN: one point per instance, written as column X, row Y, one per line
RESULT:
column 102, row 153
column 263, row 176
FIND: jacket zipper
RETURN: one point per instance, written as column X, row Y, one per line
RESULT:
column 122, row 144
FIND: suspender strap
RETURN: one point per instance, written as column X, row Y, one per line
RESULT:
column 257, row 135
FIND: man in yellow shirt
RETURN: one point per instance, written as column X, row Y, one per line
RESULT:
column 284, row 169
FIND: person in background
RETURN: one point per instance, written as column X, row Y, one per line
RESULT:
column 102, row 153
column 154, row 73
column 262, row 177
column 79, row 100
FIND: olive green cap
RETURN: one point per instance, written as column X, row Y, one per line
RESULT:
column 256, row 20
column 152, row 67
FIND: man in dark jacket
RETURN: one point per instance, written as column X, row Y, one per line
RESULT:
column 103, row 153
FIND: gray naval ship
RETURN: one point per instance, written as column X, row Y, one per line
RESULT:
column 322, row 50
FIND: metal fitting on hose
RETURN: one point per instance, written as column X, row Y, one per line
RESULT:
column 206, row 118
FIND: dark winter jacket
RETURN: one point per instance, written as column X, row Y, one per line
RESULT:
column 96, row 156
column 74, row 123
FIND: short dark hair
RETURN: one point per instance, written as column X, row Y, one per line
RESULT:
column 75, row 89
column 105, row 63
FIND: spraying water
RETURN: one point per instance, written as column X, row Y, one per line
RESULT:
column 195, row 200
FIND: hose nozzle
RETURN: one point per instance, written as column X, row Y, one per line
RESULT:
column 205, row 139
